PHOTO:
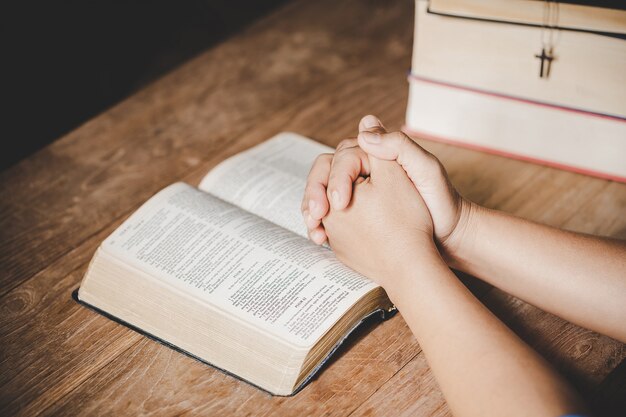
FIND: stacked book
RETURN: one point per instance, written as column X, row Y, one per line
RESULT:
column 536, row 80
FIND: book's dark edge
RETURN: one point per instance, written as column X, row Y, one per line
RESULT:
column 617, row 35
column 384, row 314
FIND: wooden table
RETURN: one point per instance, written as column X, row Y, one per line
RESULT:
column 313, row 67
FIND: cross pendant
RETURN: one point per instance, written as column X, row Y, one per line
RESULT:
column 546, row 62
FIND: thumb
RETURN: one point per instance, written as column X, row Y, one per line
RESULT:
column 385, row 170
column 397, row 146
column 371, row 124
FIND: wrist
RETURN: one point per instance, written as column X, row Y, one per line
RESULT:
column 410, row 266
column 463, row 234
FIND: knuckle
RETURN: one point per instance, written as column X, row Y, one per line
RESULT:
column 323, row 158
column 397, row 139
column 348, row 159
column 346, row 143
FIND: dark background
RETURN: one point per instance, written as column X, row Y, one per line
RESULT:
column 63, row 62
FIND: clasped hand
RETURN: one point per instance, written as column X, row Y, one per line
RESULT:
column 379, row 199
column 388, row 210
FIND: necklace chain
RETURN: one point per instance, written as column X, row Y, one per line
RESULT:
column 549, row 23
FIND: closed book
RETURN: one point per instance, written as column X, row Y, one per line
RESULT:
column 529, row 79
column 577, row 141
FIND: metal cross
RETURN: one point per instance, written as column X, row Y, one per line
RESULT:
column 545, row 57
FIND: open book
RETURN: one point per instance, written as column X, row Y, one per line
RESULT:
column 224, row 272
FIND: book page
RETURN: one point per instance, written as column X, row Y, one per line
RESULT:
column 238, row 262
column 268, row 179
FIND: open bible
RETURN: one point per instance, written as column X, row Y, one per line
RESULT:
column 225, row 273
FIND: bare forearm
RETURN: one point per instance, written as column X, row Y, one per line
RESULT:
column 578, row 277
column 482, row 367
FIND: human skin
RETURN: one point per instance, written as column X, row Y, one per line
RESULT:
column 386, row 233
column 579, row 277
column 415, row 225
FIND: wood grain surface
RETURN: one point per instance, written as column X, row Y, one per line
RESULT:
column 310, row 67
